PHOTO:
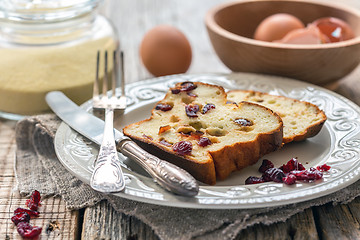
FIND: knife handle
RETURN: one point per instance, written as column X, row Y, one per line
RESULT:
column 166, row 174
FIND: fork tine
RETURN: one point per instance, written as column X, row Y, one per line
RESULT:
column 114, row 74
column 96, row 82
column 105, row 80
column 122, row 84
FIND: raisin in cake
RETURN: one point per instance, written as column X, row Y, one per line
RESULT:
column 206, row 136
column 301, row 119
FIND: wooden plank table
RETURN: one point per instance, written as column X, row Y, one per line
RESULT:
column 132, row 19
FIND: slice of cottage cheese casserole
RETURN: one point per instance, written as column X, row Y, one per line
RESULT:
column 198, row 130
column 301, row 119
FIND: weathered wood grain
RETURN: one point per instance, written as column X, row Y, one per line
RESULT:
column 52, row 209
column 299, row 227
column 349, row 86
column 102, row 222
column 338, row 222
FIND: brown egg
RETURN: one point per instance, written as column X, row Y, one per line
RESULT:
column 276, row 26
column 165, row 50
column 334, row 28
column 308, row 35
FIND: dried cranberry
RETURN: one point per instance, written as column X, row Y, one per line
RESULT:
column 182, row 147
column 290, row 179
column 291, row 165
column 187, row 86
column 288, row 173
column 34, row 201
column 207, row 107
column 204, row 141
column 273, row 174
column 165, row 143
column 243, row 122
column 191, row 110
column 20, row 217
column 323, row 168
column 32, row 205
column 163, row 107
column 175, row 91
column 254, row 180
column 266, row 164
column 307, row 175
column 30, row 212
column 317, row 173
column 27, row 231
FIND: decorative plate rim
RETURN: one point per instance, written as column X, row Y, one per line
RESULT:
column 342, row 123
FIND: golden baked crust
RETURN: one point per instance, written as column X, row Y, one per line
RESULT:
column 237, row 134
column 301, row 119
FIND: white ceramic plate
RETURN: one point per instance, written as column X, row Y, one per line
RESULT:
column 338, row 145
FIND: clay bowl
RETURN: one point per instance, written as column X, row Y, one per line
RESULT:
column 231, row 27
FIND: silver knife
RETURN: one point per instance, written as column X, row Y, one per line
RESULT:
column 167, row 175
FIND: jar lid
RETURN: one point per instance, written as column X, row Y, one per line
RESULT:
column 35, row 11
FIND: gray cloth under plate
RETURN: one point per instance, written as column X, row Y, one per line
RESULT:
column 38, row 168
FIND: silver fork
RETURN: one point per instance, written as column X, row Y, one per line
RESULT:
column 107, row 175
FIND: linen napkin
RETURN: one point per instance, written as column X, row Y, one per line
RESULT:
column 37, row 167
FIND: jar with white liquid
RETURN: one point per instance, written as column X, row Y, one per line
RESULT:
column 48, row 45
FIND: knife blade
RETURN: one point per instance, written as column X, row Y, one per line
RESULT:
column 167, row 175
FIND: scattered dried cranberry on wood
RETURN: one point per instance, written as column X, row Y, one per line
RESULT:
column 20, row 217
column 182, row 147
column 207, row 107
column 34, row 201
column 191, row 110
column 163, row 107
column 27, row 231
column 28, row 211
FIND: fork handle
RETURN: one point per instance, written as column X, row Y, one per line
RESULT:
column 107, row 175
column 166, row 174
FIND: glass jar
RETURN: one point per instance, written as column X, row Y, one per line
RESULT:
column 48, row 45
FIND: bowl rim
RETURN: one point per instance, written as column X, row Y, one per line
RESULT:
column 214, row 26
